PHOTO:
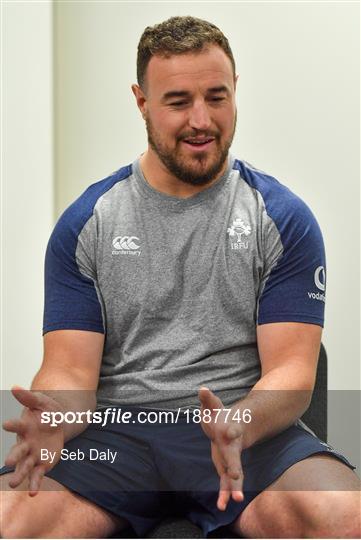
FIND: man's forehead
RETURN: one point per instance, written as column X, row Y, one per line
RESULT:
column 210, row 65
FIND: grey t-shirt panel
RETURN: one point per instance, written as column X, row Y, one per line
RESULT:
column 179, row 291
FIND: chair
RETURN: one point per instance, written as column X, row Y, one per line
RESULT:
column 315, row 418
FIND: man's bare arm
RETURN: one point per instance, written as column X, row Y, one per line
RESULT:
column 288, row 353
column 70, row 372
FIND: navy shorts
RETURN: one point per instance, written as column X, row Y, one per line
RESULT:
column 166, row 469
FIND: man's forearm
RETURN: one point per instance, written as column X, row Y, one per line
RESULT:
column 65, row 387
column 274, row 404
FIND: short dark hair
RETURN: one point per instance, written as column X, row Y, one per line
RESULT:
column 178, row 35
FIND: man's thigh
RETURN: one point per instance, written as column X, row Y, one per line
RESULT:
column 110, row 468
column 55, row 512
column 317, row 497
column 263, row 464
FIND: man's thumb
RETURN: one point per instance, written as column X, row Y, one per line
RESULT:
column 208, row 399
column 29, row 398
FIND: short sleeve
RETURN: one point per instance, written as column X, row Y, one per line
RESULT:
column 293, row 280
column 293, row 284
column 71, row 297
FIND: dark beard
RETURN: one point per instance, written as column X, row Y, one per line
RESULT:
column 182, row 172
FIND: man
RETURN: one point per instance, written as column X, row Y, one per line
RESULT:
column 186, row 277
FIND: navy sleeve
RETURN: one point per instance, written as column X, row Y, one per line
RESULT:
column 293, row 282
column 71, row 299
column 294, row 287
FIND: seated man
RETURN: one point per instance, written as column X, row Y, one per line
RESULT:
column 187, row 283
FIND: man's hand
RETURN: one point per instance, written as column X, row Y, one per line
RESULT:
column 226, row 446
column 31, row 436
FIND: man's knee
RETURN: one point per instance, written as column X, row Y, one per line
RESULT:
column 55, row 512
column 335, row 514
column 23, row 516
column 302, row 514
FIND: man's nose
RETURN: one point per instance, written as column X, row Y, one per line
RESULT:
column 199, row 117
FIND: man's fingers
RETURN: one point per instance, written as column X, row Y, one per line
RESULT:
column 14, row 426
column 237, row 488
column 237, row 495
column 21, row 471
column 229, row 488
column 223, row 499
column 224, row 493
column 36, row 477
column 31, row 399
column 17, row 452
column 16, row 477
column 231, row 457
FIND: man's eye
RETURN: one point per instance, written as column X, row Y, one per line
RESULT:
column 178, row 103
column 217, row 99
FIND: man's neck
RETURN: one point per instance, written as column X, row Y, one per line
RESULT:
column 158, row 176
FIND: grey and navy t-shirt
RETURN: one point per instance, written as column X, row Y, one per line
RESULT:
column 178, row 286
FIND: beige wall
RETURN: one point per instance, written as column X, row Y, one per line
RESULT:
column 27, row 183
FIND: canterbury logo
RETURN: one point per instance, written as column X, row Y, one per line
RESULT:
column 125, row 242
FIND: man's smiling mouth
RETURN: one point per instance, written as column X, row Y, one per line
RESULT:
column 198, row 143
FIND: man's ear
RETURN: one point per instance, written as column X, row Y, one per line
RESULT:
column 140, row 98
column 235, row 81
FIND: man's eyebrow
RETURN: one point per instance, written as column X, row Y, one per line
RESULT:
column 175, row 94
column 218, row 89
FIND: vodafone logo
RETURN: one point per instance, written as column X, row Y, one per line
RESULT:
column 320, row 281
column 320, row 278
